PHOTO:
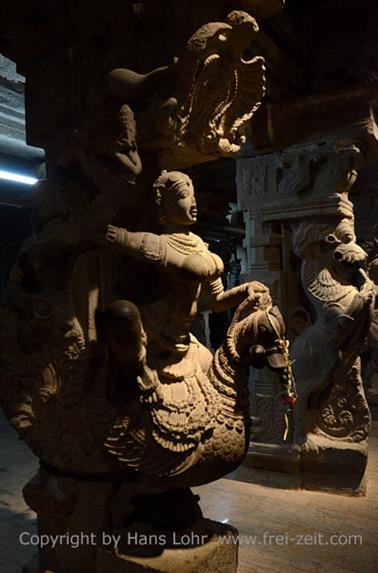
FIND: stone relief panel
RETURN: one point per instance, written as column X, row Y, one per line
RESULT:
column 342, row 297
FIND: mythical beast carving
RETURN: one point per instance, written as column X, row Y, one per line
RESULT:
column 209, row 94
column 331, row 401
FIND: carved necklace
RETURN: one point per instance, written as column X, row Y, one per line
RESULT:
column 321, row 284
column 186, row 244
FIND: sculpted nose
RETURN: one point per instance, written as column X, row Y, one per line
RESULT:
column 350, row 253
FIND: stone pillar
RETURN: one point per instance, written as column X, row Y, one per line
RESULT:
column 300, row 240
column 107, row 137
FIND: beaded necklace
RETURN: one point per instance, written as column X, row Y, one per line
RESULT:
column 186, row 244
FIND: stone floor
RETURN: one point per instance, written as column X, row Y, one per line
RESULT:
column 17, row 465
column 273, row 522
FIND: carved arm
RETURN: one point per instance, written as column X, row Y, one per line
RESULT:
column 218, row 299
column 147, row 246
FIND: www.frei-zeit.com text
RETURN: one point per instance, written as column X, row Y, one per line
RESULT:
column 184, row 540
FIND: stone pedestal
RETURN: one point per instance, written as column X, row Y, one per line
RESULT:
column 102, row 526
column 334, row 468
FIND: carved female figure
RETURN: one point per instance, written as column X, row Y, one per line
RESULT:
column 190, row 271
column 192, row 422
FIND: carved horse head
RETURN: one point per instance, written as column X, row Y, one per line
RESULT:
column 256, row 337
column 256, row 334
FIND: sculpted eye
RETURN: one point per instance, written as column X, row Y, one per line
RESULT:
column 331, row 239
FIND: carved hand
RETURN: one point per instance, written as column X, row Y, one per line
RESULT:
column 367, row 292
column 260, row 293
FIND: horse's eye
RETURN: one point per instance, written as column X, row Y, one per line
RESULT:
column 263, row 329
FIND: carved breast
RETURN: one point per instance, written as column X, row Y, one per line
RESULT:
column 203, row 266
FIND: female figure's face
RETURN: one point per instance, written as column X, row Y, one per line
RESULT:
column 179, row 203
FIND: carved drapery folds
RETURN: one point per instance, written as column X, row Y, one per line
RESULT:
column 326, row 294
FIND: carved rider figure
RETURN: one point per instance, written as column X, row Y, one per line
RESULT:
column 190, row 270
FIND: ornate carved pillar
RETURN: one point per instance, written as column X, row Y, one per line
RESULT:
column 101, row 375
column 313, row 265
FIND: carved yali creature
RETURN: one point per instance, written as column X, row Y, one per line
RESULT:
column 209, row 94
column 326, row 363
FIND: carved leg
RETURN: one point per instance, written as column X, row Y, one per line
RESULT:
column 120, row 329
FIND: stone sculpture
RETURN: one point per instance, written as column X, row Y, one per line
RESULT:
column 196, row 109
column 147, row 403
column 341, row 293
column 332, row 419
column 370, row 374
column 328, row 299
column 100, row 374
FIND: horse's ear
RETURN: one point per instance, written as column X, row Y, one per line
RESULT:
column 275, row 311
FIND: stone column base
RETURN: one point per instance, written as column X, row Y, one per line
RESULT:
column 334, row 466
column 318, row 465
column 107, row 527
